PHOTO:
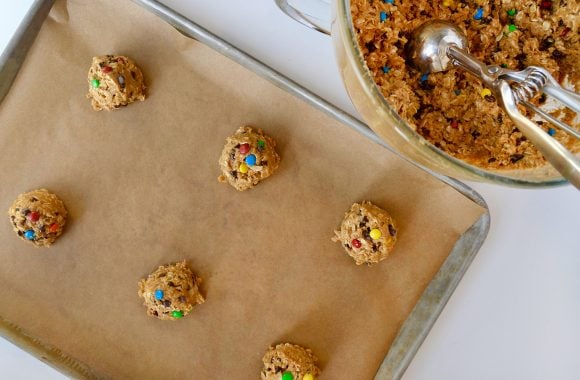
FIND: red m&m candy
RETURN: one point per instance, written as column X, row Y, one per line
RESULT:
column 33, row 216
column 244, row 148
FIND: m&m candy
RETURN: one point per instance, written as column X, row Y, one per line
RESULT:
column 33, row 216
column 244, row 148
column 375, row 234
column 159, row 294
column 250, row 160
column 177, row 314
column 485, row 92
column 53, row 228
column 29, row 235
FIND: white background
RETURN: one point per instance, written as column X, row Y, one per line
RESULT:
column 516, row 313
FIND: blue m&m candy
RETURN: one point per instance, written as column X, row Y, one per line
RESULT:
column 29, row 235
column 251, row 160
column 159, row 294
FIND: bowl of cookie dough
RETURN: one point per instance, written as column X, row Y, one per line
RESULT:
column 449, row 122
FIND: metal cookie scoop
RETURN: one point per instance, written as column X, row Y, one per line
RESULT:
column 439, row 45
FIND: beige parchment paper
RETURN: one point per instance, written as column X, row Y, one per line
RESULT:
column 140, row 185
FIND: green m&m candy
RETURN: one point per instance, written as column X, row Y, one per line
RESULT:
column 177, row 314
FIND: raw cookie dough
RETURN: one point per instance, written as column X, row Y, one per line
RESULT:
column 449, row 109
column 367, row 232
column 171, row 291
column 248, row 158
column 114, row 81
column 286, row 359
column 38, row 217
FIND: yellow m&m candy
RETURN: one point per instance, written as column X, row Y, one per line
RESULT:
column 375, row 234
column 485, row 92
column 243, row 168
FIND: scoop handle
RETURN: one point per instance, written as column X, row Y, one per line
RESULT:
column 561, row 159
column 551, row 86
column 569, row 98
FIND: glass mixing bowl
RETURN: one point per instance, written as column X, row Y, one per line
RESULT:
column 383, row 119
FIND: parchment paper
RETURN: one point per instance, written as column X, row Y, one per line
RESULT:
column 140, row 185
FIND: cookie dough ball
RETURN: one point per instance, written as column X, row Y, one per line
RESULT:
column 289, row 362
column 114, row 81
column 248, row 158
column 171, row 291
column 367, row 232
column 38, row 217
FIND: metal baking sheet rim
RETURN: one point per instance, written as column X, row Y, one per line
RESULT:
column 413, row 331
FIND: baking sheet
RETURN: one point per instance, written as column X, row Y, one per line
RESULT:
column 140, row 184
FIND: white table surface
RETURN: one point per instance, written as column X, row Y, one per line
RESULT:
column 515, row 314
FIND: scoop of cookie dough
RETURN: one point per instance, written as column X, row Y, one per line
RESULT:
column 114, row 81
column 289, row 362
column 367, row 232
column 171, row 291
column 38, row 217
column 248, row 158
